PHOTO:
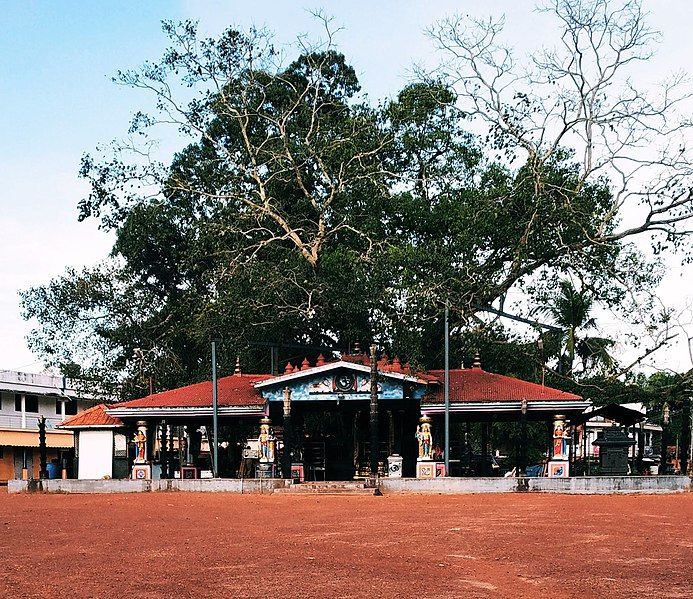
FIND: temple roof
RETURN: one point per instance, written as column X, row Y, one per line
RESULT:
column 471, row 385
column 235, row 390
column 95, row 417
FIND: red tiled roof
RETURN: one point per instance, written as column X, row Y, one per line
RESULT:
column 234, row 390
column 95, row 417
column 477, row 385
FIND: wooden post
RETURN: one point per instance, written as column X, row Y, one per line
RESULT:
column 641, row 449
column 163, row 450
column 484, row 449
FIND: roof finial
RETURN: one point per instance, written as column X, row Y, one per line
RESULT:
column 289, row 368
column 305, row 365
column 477, row 360
column 320, row 361
column 237, row 372
column 357, row 348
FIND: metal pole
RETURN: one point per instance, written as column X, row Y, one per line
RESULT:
column 685, row 435
column 522, row 465
column 447, row 391
column 374, row 417
column 215, row 410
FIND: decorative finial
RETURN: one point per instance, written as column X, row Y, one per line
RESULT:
column 305, row 365
column 289, row 368
column 237, row 371
column 357, row 347
column 320, row 361
column 477, row 360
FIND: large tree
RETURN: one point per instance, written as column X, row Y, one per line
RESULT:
column 297, row 211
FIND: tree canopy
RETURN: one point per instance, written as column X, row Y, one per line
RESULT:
column 297, row 211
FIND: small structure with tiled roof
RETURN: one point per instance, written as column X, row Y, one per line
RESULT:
column 98, row 438
column 95, row 417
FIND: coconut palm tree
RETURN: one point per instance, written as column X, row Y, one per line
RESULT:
column 570, row 310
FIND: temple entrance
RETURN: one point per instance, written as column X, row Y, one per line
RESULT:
column 333, row 441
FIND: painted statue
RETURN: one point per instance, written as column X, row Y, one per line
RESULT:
column 141, row 445
column 267, row 441
column 425, row 438
column 560, row 439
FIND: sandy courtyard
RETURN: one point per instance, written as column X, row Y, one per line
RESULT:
column 223, row 545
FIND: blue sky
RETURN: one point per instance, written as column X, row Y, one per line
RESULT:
column 57, row 101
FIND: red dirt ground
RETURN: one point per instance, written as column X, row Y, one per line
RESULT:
column 207, row 545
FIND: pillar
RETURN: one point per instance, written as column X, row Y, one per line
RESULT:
column 522, row 461
column 485, row 465
column 685, row 435
column 641, row 449
column 163, row 452
column 288, row 435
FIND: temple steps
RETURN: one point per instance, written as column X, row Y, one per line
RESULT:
column 328, row 488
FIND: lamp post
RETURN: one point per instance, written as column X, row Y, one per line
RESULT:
column 374, row 418
column 215, row 411
column 447, row 391
column 540, row 346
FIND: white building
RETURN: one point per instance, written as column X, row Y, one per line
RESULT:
column 24, row 399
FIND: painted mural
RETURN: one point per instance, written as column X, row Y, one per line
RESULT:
column 343, row 385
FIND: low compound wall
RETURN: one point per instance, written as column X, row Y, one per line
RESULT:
column 209, row 485
column 588, row 485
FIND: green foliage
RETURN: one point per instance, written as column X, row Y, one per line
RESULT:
column 300, row 213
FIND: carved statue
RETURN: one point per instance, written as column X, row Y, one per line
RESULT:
column 560, row 439
column 267, row 441
column 425, row 438
column 141, row 444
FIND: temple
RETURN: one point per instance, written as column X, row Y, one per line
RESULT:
column 320, row 421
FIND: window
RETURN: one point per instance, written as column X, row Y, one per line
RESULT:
column 70, row 406
column 17, row 403
column 31, row 403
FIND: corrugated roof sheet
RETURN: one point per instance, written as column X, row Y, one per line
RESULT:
column 477, row 385
column 234, row 390
column 93, row 417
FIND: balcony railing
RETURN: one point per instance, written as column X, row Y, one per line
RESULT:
column 15, row 421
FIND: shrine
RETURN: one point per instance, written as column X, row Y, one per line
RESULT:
column 348, row 419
